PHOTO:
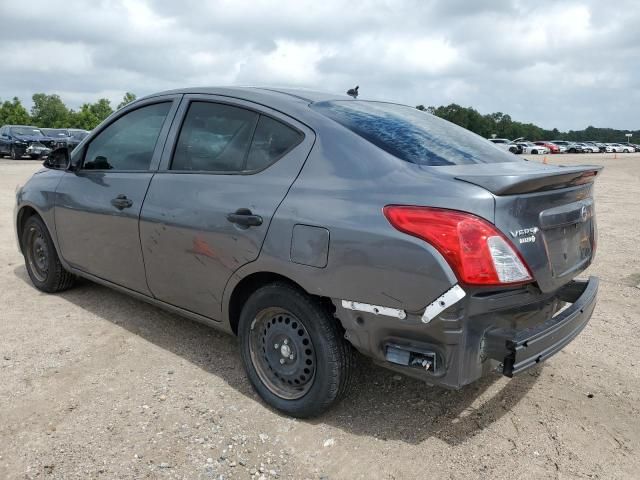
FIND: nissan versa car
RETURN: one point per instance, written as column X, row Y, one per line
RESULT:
column 313, row 226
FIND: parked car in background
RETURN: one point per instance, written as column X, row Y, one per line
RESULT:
column 533, row 149
column 601, row 146
column 588, row 147
column 77, row 135
column 619, row 148
column 571, row 147
column 553, row 148
column 65, row 137
column 252, row 211
column 505, row 144
column 632, row 148
column 18, row 141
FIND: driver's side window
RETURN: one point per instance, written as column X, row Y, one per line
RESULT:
column 128, row 143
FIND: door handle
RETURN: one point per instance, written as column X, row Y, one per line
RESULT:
column 245, row 218
column 121, row 202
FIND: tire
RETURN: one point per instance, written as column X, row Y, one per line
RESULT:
column 41, row 259
column 34, row 157
column 534, row 152
column 13, row 154
column 293, row 351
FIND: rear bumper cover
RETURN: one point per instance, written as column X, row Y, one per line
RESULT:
column 506, row 331
column 520, row 350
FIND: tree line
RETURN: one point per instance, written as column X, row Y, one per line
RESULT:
column 49, row 111
column 503, row 126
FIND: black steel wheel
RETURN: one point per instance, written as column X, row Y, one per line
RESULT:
column 294, row 350
column 37, row 253
column 41, row 259
column 282, row 353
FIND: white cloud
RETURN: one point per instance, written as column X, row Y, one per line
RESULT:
column 559, row 64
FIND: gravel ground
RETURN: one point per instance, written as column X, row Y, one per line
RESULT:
column 94, row 384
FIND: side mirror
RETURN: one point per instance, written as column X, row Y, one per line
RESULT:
column 58, row 159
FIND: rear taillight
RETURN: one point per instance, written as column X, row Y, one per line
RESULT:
column 476, row 251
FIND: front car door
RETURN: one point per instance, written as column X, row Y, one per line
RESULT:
column 210, row 204
column 97, row 206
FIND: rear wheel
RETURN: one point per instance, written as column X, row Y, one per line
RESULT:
column 293, row 351
column 41, row 259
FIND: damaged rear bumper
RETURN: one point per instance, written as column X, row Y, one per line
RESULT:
column 519, row 350
column 484, row 331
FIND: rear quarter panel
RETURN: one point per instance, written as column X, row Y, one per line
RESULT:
column 343, row 188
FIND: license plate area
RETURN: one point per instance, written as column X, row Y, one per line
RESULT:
column 568, row 236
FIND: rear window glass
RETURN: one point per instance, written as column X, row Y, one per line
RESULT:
column 271, row 141
column 412, row 135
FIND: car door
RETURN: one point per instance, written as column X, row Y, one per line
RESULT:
column 209, row 206
column 97, row 206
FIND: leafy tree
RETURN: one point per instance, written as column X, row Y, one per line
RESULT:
column 49, row 111
column 127, row 99
column 90, row 115
column 13, row 113
column 102, row 109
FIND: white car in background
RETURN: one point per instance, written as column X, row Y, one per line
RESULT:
column 505, row 144
column 617, row 148
column 589, row 148
column 533, row 149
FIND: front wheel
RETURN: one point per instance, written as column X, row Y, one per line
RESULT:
column 293, row 351
column 13, row 153
column 41, row 259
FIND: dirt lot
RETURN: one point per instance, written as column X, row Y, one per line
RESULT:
column 94, row 384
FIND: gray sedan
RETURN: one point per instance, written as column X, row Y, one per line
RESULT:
column 313, row 226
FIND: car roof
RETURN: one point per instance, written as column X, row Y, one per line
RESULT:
column 266, row 94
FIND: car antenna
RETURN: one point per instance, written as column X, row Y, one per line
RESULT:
column 353, row 92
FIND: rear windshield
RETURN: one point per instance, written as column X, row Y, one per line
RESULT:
column 412, row 135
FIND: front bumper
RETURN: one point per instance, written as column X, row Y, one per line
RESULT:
column 37, row 150
column 520, row 350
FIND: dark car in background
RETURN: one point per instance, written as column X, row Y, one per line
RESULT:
column 312, row 225
column 66, row 137
column 18, row 141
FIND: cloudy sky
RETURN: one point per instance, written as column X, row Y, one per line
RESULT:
column 564, row 64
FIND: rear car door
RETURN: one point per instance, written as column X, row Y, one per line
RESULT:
column 209, row 206
column 97, row 206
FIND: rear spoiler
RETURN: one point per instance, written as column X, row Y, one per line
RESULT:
column 534, row 182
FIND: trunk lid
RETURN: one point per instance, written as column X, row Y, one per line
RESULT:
column 546, row 211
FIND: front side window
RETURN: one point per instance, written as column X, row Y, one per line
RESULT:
column 214, row 137
column 129, row 142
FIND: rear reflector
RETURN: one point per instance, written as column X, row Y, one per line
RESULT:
column 476, row 251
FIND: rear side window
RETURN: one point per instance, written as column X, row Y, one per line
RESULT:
column 412, row 135
column 272, row 140
column 128, row 143
column 214, row 137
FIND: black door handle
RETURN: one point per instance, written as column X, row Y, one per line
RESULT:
column 245, row 218
column 121, row 202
